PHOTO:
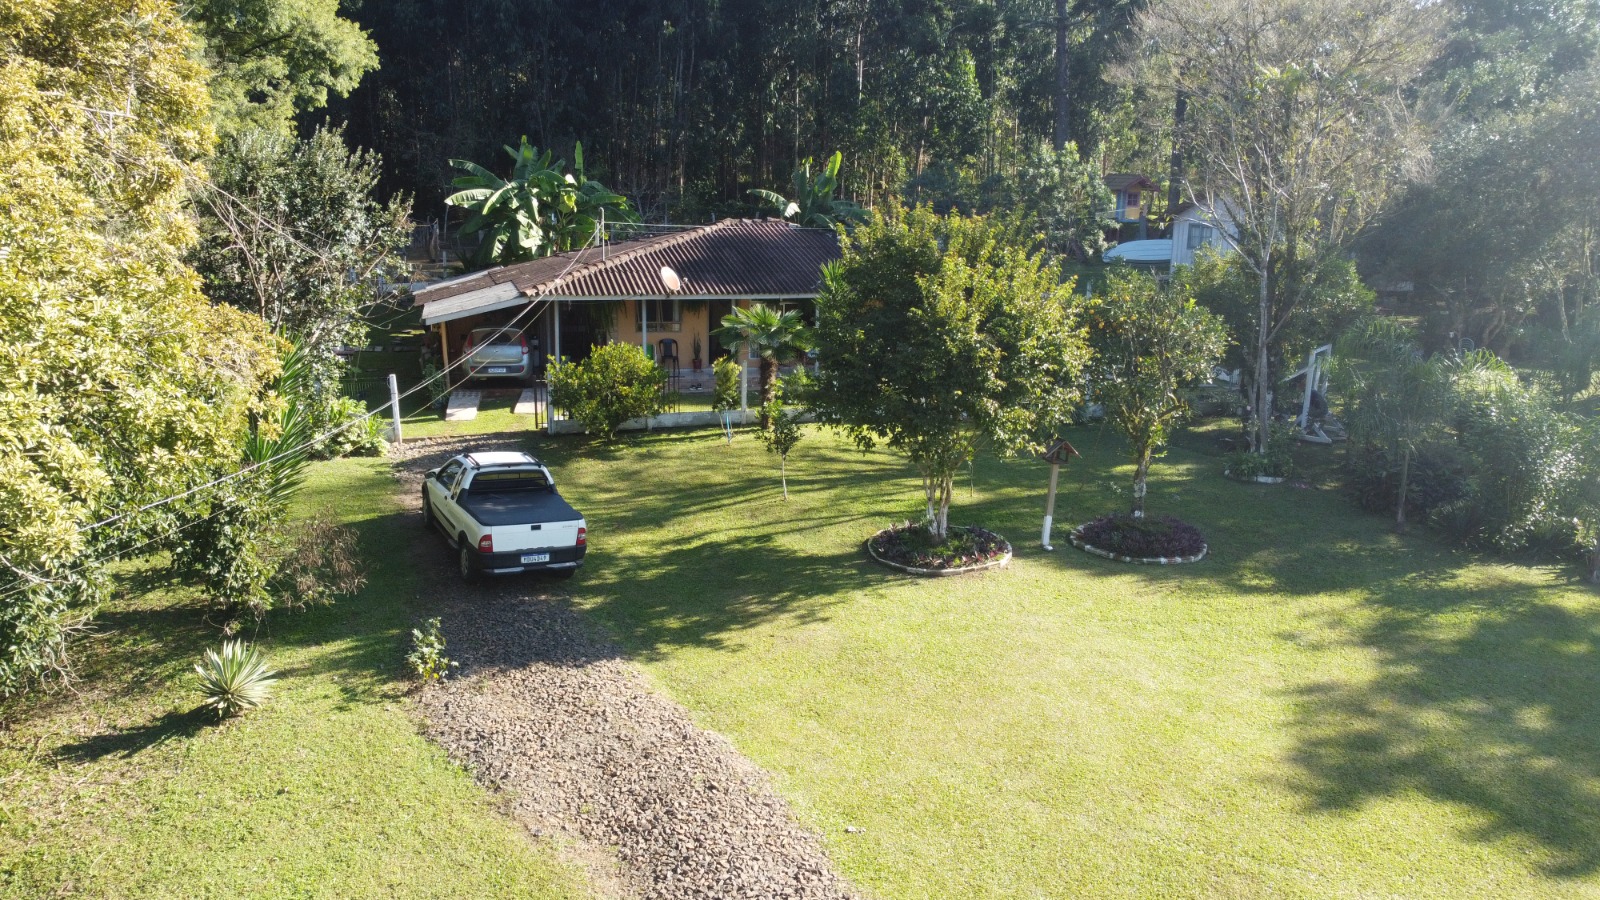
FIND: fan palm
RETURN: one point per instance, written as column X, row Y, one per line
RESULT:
column 774, row 337
column 814, row 205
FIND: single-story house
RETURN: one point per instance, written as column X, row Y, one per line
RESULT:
column 1194, row 227
column 665, row 292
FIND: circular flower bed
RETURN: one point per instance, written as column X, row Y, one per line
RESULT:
column 1119, row 536
column 911, row 548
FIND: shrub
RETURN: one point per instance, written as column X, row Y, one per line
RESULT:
column 427, row 659
column 725, row 395
column 1143, row 538
column 1277, row 462
column 235, row 680
column 914, row 545
column 1438, row 477
column 365, row 438
column 616, row 383
column 782, row 434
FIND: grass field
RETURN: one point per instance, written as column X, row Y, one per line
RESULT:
column 1320, row 709
column 122, row 789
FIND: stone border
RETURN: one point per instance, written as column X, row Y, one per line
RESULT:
column 1075, row 537
column 1254, row 479
column 938, row 573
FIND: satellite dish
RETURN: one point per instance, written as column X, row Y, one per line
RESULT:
column 670, row 279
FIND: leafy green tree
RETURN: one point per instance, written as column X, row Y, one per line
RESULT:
column 781, row 436
column 1066, row 197
column 292, row 231
column 119, row 383
column 540, row 210
column 1398, row 398
column 274, row 59
column 774, row 337
column 1297, row 123
column 943, row 336
column 616, row 383
column 814, row 204
column 1149, row 340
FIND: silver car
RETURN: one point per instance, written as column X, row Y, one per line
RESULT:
column 497, row 353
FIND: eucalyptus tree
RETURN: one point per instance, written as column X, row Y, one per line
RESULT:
column 538, row 210
column 813, row 204
column 1297, row 131
column 940, row 337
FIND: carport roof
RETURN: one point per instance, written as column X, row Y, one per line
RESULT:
column 732, row 259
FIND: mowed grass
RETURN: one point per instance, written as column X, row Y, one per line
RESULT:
column 1320, row 709
column 121, row 788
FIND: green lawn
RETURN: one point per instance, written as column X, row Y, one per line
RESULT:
column 123, row 790
column 1319, row 709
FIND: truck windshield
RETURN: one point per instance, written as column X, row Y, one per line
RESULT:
column 512, row 480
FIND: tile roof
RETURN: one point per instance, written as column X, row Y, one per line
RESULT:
column 734, row 258
column 1117, row 181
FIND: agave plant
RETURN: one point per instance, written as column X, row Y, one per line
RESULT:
column 234, row 680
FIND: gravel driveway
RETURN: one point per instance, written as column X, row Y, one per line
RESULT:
column 547, row 710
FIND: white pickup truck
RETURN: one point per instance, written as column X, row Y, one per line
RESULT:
column 502, row 514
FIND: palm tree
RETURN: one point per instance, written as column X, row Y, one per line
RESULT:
column 776, row 337
column 540, row 210
column 814, row 205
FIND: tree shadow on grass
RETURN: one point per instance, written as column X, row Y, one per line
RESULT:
column 1487, row 697
column 126, row 743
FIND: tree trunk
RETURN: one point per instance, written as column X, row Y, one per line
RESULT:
column 783, row 473
column 941, row 521
column 769, row 388
column 1180, row 111
column 1263, row 377
column 1405, row 477
column 1141, row 476
column 1063, row 123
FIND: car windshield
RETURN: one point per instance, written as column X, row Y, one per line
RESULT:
column 494, row 336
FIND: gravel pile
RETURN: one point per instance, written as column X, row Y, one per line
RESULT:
column 546, row 710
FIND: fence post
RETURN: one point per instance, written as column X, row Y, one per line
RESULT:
column 394, row 406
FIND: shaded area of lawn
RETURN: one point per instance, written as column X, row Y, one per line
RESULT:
column 1321, row 708
column 122, row 787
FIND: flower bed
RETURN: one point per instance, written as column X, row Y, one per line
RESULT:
column 1121, row 537
column 910, row 548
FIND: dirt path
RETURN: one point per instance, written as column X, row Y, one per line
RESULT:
column 548, row 711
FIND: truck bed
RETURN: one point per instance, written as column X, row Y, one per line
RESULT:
column 516, row 507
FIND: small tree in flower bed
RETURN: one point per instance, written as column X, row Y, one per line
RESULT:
column 1125, row 535
column 913, row 545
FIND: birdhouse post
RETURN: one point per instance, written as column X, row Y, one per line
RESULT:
column 1056, row 456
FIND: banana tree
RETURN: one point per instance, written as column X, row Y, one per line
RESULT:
column 539, row 210
column 814, row 204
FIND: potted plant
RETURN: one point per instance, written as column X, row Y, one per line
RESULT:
column 695, row 360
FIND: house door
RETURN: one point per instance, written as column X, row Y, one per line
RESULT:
column 715, row 310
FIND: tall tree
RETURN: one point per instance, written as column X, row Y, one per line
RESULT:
column 274, row 59
column 1297, row 131
column 941, row 337
column 119, row 382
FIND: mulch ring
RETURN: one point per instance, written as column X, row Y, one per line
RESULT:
column 906, row 548
column 548, row 711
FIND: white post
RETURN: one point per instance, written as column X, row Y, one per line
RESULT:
column 394, row 404
column 744, row 381
column 1050, row 506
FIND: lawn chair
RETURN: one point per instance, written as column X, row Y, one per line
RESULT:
column 669, row 350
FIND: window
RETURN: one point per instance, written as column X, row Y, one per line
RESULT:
column 449, row 474
column 1197, row 236
column 661, row 313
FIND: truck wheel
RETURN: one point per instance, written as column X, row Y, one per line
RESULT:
column 468, row 560
column 427, row 510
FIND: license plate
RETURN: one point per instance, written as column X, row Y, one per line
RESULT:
column 496, row 370
column 535, row 558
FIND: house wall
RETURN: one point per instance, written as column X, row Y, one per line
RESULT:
column 694, row 322
column 1183, row 250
